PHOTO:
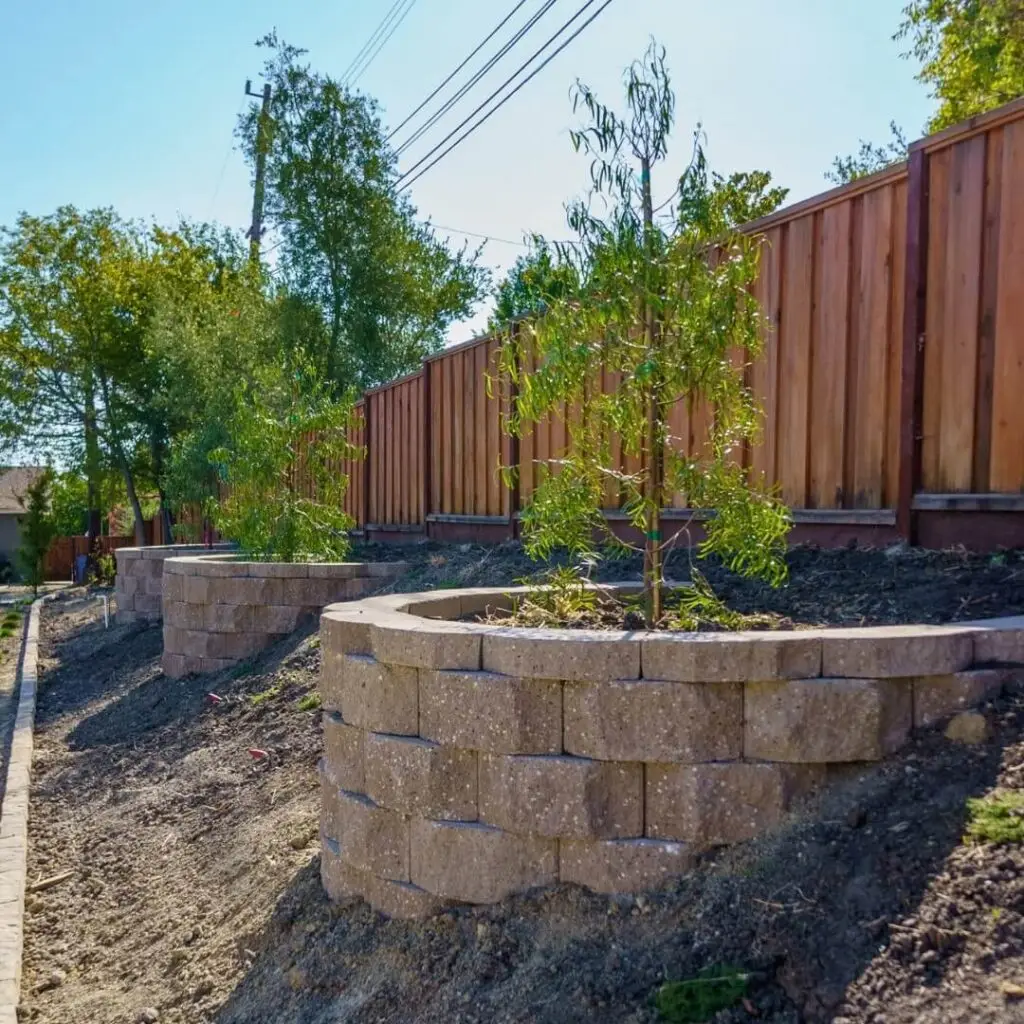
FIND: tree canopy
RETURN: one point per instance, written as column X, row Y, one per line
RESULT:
column 373, row 289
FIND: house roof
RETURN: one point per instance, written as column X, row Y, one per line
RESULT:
column 14, row 483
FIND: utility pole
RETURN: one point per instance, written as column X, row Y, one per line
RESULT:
column 256, row 230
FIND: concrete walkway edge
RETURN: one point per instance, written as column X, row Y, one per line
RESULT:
column 14, row 824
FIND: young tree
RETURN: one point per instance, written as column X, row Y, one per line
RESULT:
column 285, row 495
column 666, row 310
column 386, row 289
column 971, row 53
column 38, row 529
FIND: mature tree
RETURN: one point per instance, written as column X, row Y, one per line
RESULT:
column 71, row 321
column 665, row 309
column 536, row 278
column 111, row 341
column 385, row 287
column 971, row 54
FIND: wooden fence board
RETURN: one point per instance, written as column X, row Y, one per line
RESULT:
column 794, row 341
column 1007, row 466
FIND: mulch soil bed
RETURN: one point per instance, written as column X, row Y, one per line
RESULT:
column 185, row 831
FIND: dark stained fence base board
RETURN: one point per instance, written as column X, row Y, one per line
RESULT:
column 470, row 529
column 969, row 502
column 976, row 531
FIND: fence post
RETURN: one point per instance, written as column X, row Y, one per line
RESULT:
column 915, row 288
column 428, row 443
column 513, row 457
column 367, row 462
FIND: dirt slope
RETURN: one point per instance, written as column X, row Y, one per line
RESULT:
column 190, row 898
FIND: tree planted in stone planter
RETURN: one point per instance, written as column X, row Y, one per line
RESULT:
column 665, row 309
column 283, row 467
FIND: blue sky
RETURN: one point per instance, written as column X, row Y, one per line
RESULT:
column 132, row 105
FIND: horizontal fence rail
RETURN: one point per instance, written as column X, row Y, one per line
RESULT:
column 891, row 379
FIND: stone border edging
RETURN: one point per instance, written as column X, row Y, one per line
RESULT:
column 466, row 760
column 14, row 822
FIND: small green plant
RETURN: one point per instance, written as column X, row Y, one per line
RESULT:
column 311, row 702
column 264, row 696
column 698, row 999
column 38, row 528
column 104, row 570
column 996, row 818
column 701, row 608
column 557, row 597
column 288, row 438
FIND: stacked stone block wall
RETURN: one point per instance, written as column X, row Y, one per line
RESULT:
column 218, row 610
column 138, row 586
column 463, row 761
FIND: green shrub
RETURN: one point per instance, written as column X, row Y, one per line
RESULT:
column 698, row 999
column 996, row 818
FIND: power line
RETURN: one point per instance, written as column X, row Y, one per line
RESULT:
column 380, row 46
column 375, row 35
column 504, row 21
column 404, row 181
column 488, row 65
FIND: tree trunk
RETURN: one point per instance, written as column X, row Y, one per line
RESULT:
column 159, row 450
column 92, row 469
column 129, row 486
column 653, row 488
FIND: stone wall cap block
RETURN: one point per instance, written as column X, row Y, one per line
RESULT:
column 561, row 653
column 887, row 652
column 333, row 570
column 275, row 570
column 731, row 657
column 422, row 643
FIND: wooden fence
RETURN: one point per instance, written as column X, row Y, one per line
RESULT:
column 892, row 381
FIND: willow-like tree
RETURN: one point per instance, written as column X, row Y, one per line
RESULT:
column 666, row 308
column 286, row 497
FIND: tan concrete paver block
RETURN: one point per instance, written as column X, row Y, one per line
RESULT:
column 228, row 618
column 885, row 652
column 937, row 697
column 999, row 639
column 371, row 838
column 824, row 720
column 174, row 588
column 561, row 654
column 176, row 640
column 234, row 646
column 422, row 643
column 730, row 657
column 395, row 899
column 713, row 804
column 277, row 570
column 273, row 618
column 622, row 865
column 346, row 630
column 491, row 712
column 380, row 698
column 561, row 796
column 183, row 615
column 333, row 570
column 650, row 720
column 197, row 590
column 415, row 776
column 476, row 863
column 148, row 604
column 344, row 753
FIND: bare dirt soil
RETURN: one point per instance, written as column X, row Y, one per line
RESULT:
column 194, row 893
column 845, row 586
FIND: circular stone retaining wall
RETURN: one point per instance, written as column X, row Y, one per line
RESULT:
column 138, row 585
column 463, row 761
column 219, row 610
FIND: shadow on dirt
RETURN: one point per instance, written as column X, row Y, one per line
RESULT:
column 804, row 912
